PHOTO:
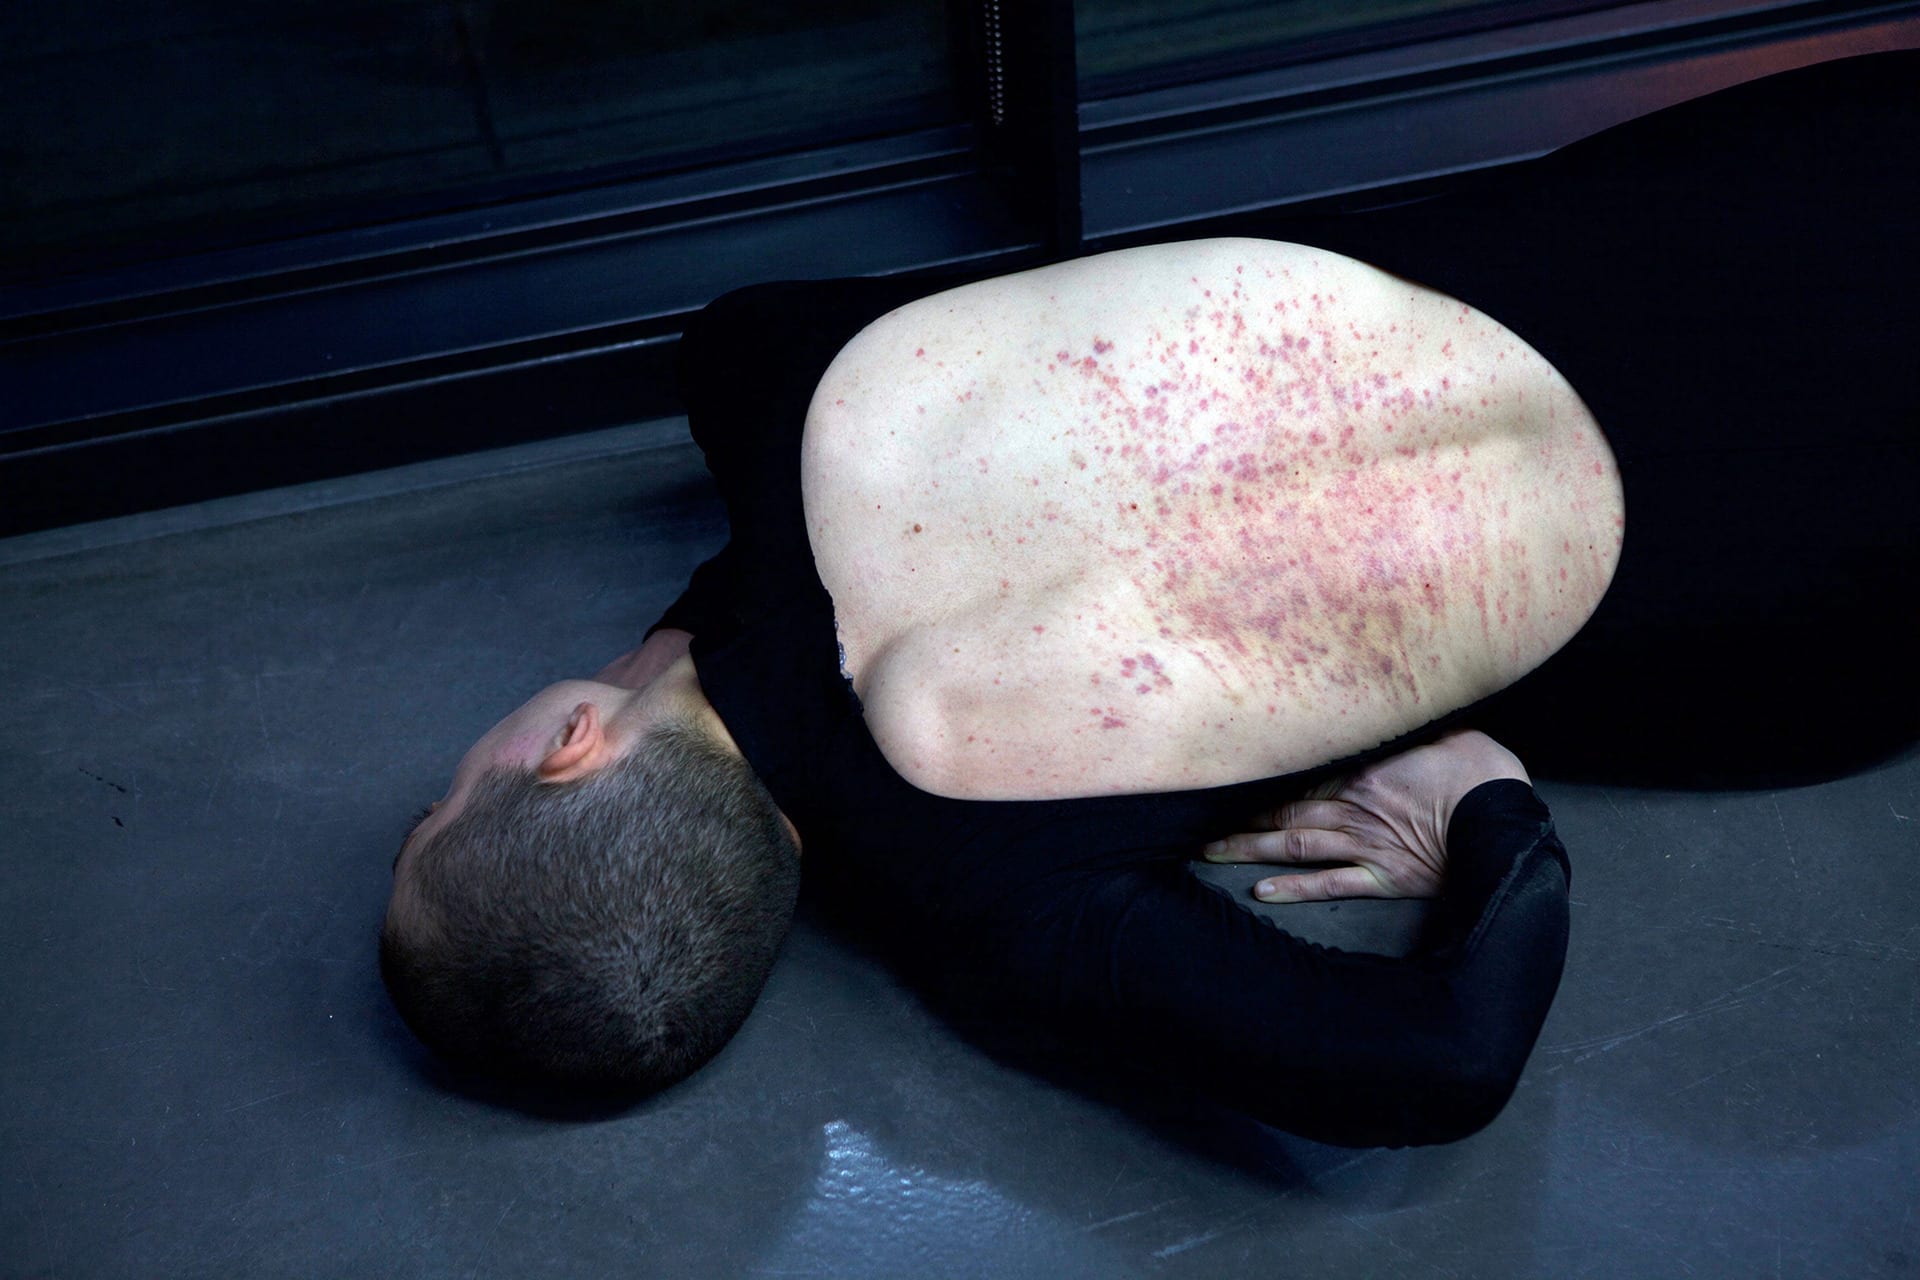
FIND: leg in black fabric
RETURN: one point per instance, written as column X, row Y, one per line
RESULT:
column 1763, row 622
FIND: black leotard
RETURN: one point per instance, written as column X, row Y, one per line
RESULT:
column 1076, row 921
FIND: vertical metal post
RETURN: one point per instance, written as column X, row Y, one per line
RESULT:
column 1028, row 106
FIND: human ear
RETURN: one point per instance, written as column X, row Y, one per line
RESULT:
column 583, row 747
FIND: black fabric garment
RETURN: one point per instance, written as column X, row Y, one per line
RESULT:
column 1630, row 261
column 1077, row 920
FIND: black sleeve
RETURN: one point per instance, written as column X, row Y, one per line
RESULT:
column 748, row 364
column 706, row 605
column 1149, row 967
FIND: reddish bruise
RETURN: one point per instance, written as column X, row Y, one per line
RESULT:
column 1296, row 496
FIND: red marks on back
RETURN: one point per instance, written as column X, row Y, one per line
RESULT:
column 1145, row 670
column 1307, row 554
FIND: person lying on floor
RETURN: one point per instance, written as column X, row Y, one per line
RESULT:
column 1039, row 587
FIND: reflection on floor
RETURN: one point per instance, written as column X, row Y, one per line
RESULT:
column 216, row 722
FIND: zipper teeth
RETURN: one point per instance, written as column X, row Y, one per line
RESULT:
column 996, row 66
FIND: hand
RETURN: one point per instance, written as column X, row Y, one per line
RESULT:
column 1386, row 825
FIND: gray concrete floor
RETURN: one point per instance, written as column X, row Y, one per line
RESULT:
column 217, row 721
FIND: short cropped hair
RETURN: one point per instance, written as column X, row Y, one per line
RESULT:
column 610, row 933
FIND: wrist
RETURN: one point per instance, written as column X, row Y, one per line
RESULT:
column 1476, row 760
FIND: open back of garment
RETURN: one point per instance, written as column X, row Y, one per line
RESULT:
column 1193, row 514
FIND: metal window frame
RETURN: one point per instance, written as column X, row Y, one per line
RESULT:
column 1400, row 117
column 154, row 385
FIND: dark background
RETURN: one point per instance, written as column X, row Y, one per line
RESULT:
column 422, row 265
column 247, row 245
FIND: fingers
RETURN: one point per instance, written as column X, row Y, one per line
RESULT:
column 1292, row 845
column 1322, row 886
column 1325, row 814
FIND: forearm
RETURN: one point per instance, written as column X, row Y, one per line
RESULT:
column 1152, row 969
column 707, row 604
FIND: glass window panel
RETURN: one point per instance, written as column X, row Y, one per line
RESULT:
column 1128, row 45
column 131, row 123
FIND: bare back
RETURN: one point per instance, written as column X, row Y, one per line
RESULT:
column 1193, row 514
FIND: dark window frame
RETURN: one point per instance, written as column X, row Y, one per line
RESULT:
column 154, row 384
